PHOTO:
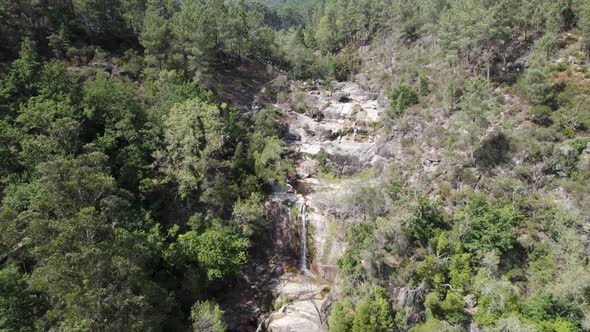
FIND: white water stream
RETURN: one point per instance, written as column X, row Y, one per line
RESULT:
column 302, row 266
column 303, row 263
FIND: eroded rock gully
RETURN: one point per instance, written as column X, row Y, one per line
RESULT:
column 338, row 130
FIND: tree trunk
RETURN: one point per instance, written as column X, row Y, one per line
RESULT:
column 488, row 63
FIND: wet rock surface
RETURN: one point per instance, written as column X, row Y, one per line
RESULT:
column 343, row 140
column 306, row 297
column 337, row 133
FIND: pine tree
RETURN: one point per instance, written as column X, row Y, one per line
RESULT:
column 155, row 35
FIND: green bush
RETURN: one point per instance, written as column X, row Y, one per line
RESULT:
column 426, row 219
column 550, row 313
column 401, row 98
column 541, row 115
column 492, row 151
column 489, row 224
column 537, row 307
column 424, row 86
column 206, row 316
column 351, row 262
column 539, row 87
column 449, row 309
column 342, row 67
column 342, row 316
column 560, row 67
column 373, row 313
column 579, row 144
column 433, row 325
column 567, row 95
column 572, row 120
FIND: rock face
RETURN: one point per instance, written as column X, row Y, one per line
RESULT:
column 308, row 168
column 344, row 132
column 304, row 312
column 336, row 133
column 283, row 225
column 411, row 299
column 343, row 141
column 406, row 297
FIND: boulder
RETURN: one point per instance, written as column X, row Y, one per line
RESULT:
column 567, row 151
column 326, row 272
column 379, row 162
column 291, row 137
column 408, row 297
column 584, row 163
column 574, row 60
column 341, row 97
column 344, row 164
column 470, row 301
column 308, row 168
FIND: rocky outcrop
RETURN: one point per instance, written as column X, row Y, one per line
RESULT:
column 412, row 300
column 284, row 227
column 408, row 297
column 305, row 310
column 335, row 133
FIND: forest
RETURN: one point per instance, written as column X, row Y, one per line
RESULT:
column 143, row 143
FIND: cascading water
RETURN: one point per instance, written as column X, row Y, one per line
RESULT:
column 302, row 267
column 303, row 263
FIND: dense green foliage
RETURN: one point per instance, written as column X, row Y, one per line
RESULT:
column 403, row 97
column 126, row 200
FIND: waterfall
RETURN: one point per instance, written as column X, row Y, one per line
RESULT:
column 303, row 262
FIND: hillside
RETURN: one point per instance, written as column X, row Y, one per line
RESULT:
column 337, row 165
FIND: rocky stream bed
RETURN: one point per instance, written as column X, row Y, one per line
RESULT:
column 341, row 125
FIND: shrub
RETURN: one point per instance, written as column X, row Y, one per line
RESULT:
column 432, row 325
column 537, row 307
column 579, row 144
column 351, row 262
column 426, row 219
column 299, row 102
column 403, row 97
column 489, row 225
column 569, row 121
column 424, row 86
column 322, row 157
column 207, row 316
column 492, row 151
column 374, row 314
column 560, row 67
column 567, row 96
column 449, row 309
column 495, row 298
column 342, row 68
column 541, row 115
column 539, row 88
column 342, row 316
